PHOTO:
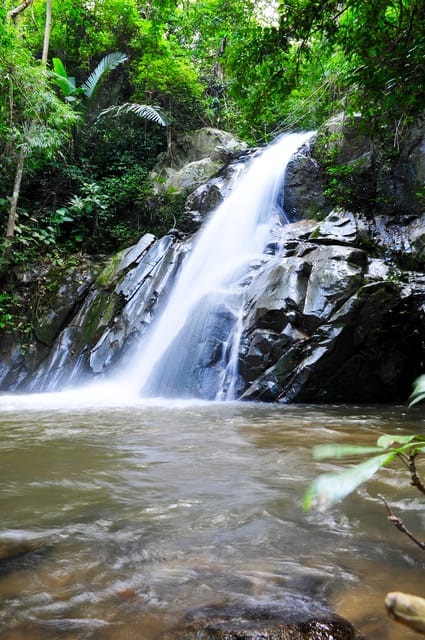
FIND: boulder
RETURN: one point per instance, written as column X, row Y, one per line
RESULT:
column 407, row 609
column 203, row 154
column 210, row 194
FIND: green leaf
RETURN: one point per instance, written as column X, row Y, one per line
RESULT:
column 387, row 441
column 322, row 451
column 329, row 488
column 59, row 68
column 415, row 398
column 65, row 84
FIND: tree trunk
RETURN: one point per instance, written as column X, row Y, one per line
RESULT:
column 47, row 29
column 11, row 223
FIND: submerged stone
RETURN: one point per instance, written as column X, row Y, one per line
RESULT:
column 297, row 618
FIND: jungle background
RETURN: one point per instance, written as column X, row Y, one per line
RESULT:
column 93, row 92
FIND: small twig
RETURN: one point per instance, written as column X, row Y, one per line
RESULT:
column 399, row 524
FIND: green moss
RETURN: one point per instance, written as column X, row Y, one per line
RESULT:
column 110, row 270
column 100, row 313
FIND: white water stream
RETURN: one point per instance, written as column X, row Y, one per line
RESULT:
column 182, row 344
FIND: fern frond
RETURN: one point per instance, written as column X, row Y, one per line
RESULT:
column 144, row 111
column 108, row 63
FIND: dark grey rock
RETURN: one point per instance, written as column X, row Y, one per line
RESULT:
column 296, row 618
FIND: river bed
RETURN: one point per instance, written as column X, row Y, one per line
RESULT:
column 139, row 515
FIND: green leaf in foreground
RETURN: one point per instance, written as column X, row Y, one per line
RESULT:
column 332, row 487
column 322, row 451
column 386, row 441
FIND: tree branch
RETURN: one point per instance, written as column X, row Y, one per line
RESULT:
column 415, row 479
column 11, row 15
column 399, row 524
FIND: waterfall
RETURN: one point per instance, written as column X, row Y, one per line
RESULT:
column 191, row 349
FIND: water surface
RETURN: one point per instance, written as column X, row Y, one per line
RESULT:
column 139, row 515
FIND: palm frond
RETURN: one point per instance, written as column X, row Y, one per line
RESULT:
column 144, row 111
column 108, row 63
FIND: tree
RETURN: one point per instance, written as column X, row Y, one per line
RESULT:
column 383, row 41
column 43, row 130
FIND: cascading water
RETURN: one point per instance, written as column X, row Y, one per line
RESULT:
column 191, row 350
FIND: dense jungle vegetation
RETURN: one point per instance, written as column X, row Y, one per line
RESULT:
column 92, row 91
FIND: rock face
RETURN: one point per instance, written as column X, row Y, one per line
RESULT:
column 304, row 187
column 364, row 175
column 103, row 323
column 326, row 323
column 209, row 195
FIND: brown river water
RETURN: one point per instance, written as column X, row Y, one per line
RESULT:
column 139, row 515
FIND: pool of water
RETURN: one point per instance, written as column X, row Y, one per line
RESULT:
column 134, row 516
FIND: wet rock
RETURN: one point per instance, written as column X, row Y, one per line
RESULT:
column 196, row 371
column 333, row 325
column 339, row 227
column 64, row 294
column 310, row 630
column 346, row 157
column 263, row 623
column 51, row 298
column 400, row 239
column 400, row 180
column 11, row 549
column 359, row 355
column 136, row 297
column 115, row 311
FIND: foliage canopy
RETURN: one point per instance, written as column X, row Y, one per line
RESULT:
column 254, row 67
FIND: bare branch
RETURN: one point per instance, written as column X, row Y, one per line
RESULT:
column 399, row 524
